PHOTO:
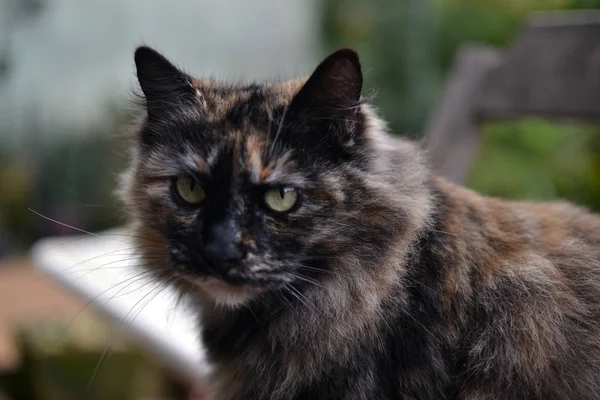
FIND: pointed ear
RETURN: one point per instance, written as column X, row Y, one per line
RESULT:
column 166, row 88
column 333, row 90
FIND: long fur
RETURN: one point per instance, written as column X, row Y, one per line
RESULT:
column 391, row 283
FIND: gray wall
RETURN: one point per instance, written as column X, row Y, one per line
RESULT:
column 74, row 56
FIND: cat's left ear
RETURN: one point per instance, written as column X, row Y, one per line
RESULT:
column 166, row 88
column 333, row 90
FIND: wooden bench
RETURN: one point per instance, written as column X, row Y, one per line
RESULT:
column 551, row 71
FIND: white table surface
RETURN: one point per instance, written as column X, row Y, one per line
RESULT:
column 102, row 269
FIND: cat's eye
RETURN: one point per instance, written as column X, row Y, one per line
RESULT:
column 281, row 199
column 189, row 190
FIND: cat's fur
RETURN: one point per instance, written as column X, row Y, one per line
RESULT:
column 386, row 282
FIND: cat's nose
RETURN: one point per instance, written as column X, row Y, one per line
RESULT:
column 222, row 246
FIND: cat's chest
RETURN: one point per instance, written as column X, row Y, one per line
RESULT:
column 303, row 369
column 237, row 380
column 254, row 373
column 248, row 361
column 224, row 384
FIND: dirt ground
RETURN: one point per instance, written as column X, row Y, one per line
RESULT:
column 28, row 297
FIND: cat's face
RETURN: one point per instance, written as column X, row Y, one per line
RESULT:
column 245, row 189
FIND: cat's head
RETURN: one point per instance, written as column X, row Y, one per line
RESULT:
column 244, row 189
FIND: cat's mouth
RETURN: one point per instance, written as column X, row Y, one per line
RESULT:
column 235, row 285
column 223, row 292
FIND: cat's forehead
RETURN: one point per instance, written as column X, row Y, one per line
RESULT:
column 241, row 156
column 243, row 120
column 247, row 152
column 225, row 103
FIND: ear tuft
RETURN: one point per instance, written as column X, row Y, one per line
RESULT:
column 165, row 87
column 334, row 87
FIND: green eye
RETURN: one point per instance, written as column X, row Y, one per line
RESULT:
column 189, row 190
column 281, row 199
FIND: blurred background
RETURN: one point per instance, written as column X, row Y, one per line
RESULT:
column 66, row 74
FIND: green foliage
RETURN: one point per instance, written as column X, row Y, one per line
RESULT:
column 70, row 178
column 396, row 40
column 534, row 159
column 53, row 370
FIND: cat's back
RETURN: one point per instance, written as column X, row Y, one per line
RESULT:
column 527, row 277
column 559, row 232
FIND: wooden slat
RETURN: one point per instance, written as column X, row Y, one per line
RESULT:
column 551, row 71
column 452, row 136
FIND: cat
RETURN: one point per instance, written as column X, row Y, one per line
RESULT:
column 327, row 261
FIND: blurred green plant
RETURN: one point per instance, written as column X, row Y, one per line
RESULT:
column 537, row 160
column 397, row 43
column 67, row 176
column 63, row 370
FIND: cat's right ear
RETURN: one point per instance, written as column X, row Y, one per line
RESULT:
column 166, row 89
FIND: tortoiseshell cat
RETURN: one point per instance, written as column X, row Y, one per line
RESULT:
column 330, row 264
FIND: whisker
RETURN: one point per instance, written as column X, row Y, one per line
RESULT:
column 162, row 287
column 320, row 270
column 157, row 260
column 87, row 232
column 114, row 253
column 105, row 234
column 153, row 276
column 100, row 361
column 141, row 276
column 305, row 279
column 285, row 303
column 62, row 223
column 41, row 277
column 307, row 303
